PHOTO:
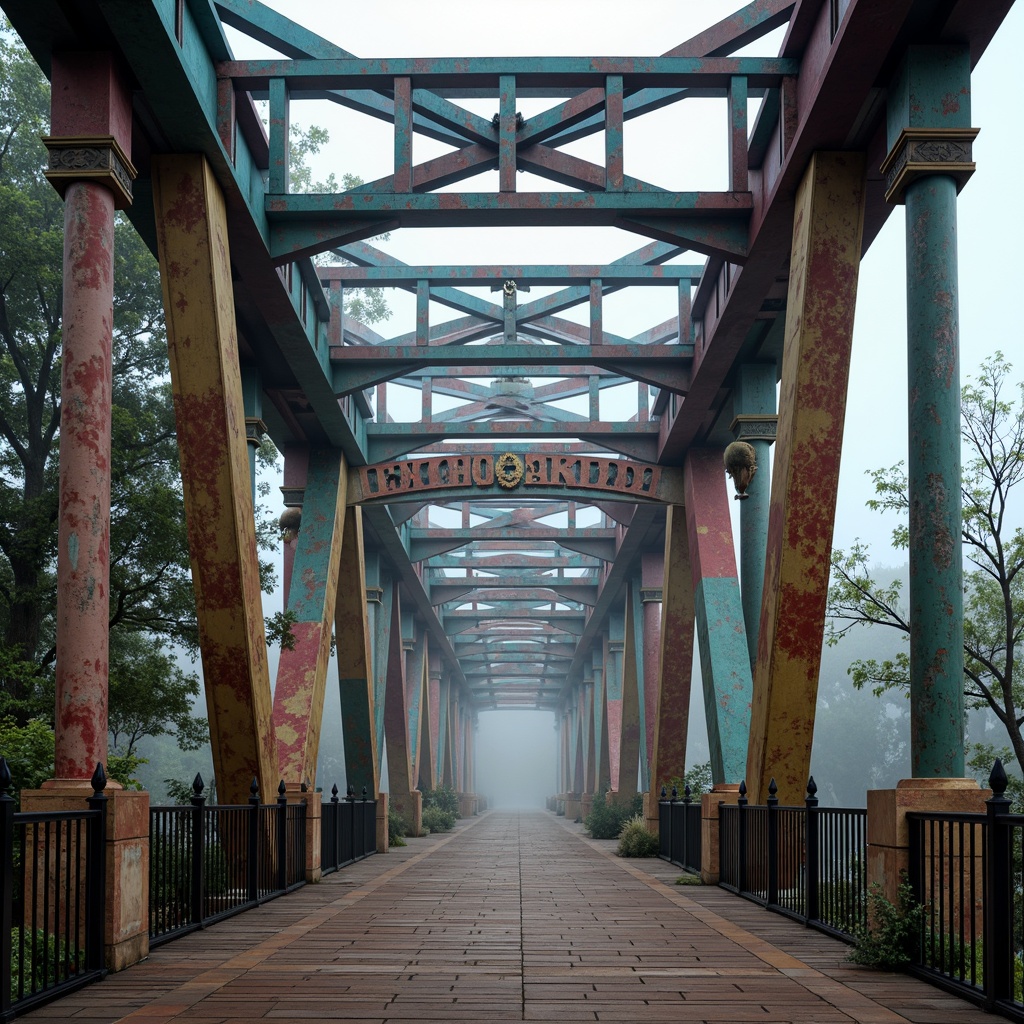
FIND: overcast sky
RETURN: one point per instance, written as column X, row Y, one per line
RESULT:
column 662, row 148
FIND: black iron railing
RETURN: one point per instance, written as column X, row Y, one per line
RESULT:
column 52, row 898
column 348, row 830
column 207, row 863
column 679, row 829
column 966, row 875
column 806, row 862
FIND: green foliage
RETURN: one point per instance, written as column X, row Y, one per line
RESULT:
column 444, row 798
column 697, row 777
column 365, row 304
column 122, row 768
column 398, row 828
column 29, row 752
column 606, row 818
column 992, row 433
column 435, row 819
column 894, row 939
column 636, row 839
column 41, row 961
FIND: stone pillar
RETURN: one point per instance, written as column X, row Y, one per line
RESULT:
column 721, row 793
column 887, row 831
column 929, row 161
column 382, row 823
column 91, row 123
column 314, row 815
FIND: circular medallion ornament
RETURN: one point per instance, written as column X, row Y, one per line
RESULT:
column 509, row 469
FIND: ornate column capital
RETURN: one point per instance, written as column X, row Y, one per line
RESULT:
column 919, row 152
column 96, row 158
column 650, row 594
column 292, row 497
column 255, row 431
column 375, row 594
column 754, row 427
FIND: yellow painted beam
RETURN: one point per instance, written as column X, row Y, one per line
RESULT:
column 195, row 271
column 302, row 669
column 672, row 714
column 827, row 228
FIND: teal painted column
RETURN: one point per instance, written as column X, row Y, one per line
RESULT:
column 255, row 428
column 930, row 138
column 755, row 423
column 721, row 636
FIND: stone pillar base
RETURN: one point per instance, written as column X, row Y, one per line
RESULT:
column 126, row 921
column 887, row 831
column 314, row 810
column 573, row 807
column 652, row 817
column 586, row 805
column 721, row 793
column 382, row 823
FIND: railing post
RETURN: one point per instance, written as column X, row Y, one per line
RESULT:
column 6, row 879
column 198, row 845
column 998, row 951
column 811, row 852
column 282, row 837
column 741, row 835
column 252, row 868
column 687, row 837
column 335, row 827
column 96, row 873
column 772, row 889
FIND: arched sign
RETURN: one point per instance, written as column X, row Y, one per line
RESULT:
column 508, row 474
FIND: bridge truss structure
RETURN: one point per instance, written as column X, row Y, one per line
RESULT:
column 551, row 528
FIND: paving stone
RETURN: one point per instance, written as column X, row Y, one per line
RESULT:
column 515, row 916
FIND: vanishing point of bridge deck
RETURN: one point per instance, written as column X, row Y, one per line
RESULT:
column 515, row 916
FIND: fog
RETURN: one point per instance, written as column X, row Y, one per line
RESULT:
column 516, row 758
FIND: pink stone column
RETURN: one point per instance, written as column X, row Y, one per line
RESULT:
column 91, row 122
column 83, row 553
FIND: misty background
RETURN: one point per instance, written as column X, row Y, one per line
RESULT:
column 860, row 741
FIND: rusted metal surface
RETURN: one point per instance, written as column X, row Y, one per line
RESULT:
column 724, row 659
column 672, row 712
column 210, row 417
column 812, row 402
column 355, row 661
column 931, row 102
column 302, row 668
column 83, row 525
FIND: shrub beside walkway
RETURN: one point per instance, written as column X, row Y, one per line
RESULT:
column 514, row 916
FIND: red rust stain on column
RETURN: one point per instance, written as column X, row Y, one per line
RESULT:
column 83, row 557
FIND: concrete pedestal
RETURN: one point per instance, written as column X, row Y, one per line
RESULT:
column 721, row 793
column 887, row 831
column 126, row 921
column 382, row 823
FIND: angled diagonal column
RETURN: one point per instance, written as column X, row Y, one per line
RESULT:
column 672, row 712
column 824, row 265
column 444, row 745
column 355, row 662
column 195, row 271
column 302, row 669
column 396, row 715
column 724, row 661
column 930, row 137
column 647, row 596
column 415, row 683
column 629, row 737
column 379, row 594
column 602, row 760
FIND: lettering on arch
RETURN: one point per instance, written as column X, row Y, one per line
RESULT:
column 509, row 473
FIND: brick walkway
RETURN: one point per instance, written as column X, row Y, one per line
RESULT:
column 512, row 917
